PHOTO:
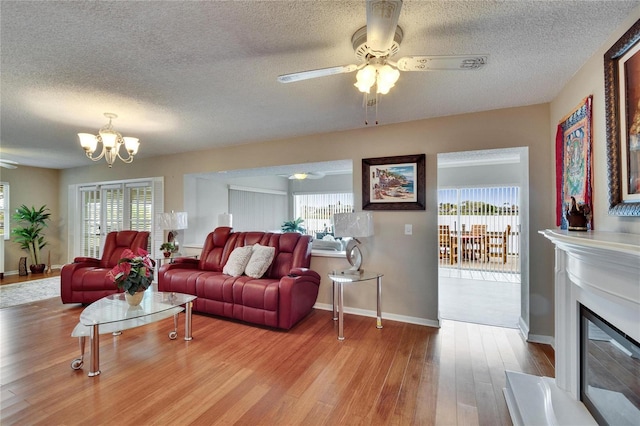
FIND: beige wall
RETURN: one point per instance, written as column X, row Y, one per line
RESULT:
column 590, row 81
column 408, row 262
column 34, row 187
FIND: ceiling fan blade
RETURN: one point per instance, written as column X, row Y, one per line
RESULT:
column 8, row 164
column 322, row 72
column 382, row 21
column 439, row 63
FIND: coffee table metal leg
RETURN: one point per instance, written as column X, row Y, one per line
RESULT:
column 333, row 296
column 340, row 312
column 94, row 369
column 174, row 334
column 77, row 363
column 379, row 294
column 187, row 321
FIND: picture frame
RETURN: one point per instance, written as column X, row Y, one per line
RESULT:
column 622, row 105
column 394, row 183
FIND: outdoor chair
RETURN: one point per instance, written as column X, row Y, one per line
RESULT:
column 447, row 244
column 498, row 244
column 478, row 242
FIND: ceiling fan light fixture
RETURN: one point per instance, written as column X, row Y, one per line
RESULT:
column 383, row 76
column 387, row 78
column 366, row 78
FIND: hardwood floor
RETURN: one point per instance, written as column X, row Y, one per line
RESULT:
column 233, row 373
column 15, row 278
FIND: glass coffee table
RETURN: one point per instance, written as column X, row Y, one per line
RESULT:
column 112, row 314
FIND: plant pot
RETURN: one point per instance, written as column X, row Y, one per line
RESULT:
column 135, row 299
column 37, row 269
column 167, row 254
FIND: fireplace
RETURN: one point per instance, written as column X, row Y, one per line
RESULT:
column 596, row 271
column 609, row 371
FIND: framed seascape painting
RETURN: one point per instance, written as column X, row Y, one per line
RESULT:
column 622, row 103
column 394, row 183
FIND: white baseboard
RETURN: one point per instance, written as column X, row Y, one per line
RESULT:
column 524, row 328
column 537, row 338
column 387, row 316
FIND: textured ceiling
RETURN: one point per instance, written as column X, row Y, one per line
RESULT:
column 186, row 76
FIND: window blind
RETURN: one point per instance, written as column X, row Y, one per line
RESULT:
column 257, row 210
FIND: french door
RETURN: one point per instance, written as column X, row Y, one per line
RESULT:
column 115, row 206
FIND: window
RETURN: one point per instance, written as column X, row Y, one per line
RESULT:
column 317, row 210
column 256, row 209
column 4, row 210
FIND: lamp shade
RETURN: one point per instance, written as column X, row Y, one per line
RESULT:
column 173, row 221
column 354, row 225
column 225, row 219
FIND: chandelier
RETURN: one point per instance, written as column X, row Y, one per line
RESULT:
column 111, row 142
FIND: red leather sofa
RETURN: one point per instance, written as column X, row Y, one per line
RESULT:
column 283, row 296
column 85, row 280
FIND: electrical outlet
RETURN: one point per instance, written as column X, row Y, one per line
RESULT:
column 408, row 229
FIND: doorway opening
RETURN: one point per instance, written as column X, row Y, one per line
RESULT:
column 480, row 238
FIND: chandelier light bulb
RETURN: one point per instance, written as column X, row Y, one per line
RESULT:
column 89, row 142
column 131, row 144
column 108, row 139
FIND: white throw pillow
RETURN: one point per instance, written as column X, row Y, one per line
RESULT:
column 261, row 258
column 237, row 261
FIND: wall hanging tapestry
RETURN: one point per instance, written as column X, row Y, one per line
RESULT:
column 574, row 169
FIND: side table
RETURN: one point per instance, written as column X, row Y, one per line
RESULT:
column 340, row 278
column 162, row 260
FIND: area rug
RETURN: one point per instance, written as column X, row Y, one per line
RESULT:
column 29, row 291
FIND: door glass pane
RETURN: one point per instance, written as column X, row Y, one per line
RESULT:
column 90, row 241
column 141, row 210
column 114, row 210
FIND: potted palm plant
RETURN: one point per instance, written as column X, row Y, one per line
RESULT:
column 28, row 233
column 294, row 226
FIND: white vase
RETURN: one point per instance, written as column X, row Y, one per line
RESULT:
column 135, row 299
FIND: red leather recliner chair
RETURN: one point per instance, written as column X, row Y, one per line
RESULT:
column 85, row 280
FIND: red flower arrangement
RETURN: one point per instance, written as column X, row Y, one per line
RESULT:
column 133, row 273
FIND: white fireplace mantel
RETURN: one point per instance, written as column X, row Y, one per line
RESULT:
column 600, row 270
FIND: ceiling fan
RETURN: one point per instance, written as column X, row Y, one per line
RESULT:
column 306, row 175
column 8, row 164
column 374, row 45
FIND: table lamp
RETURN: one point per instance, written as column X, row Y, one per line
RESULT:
column 173, row 222
column 354, row 225
column 225, row 219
